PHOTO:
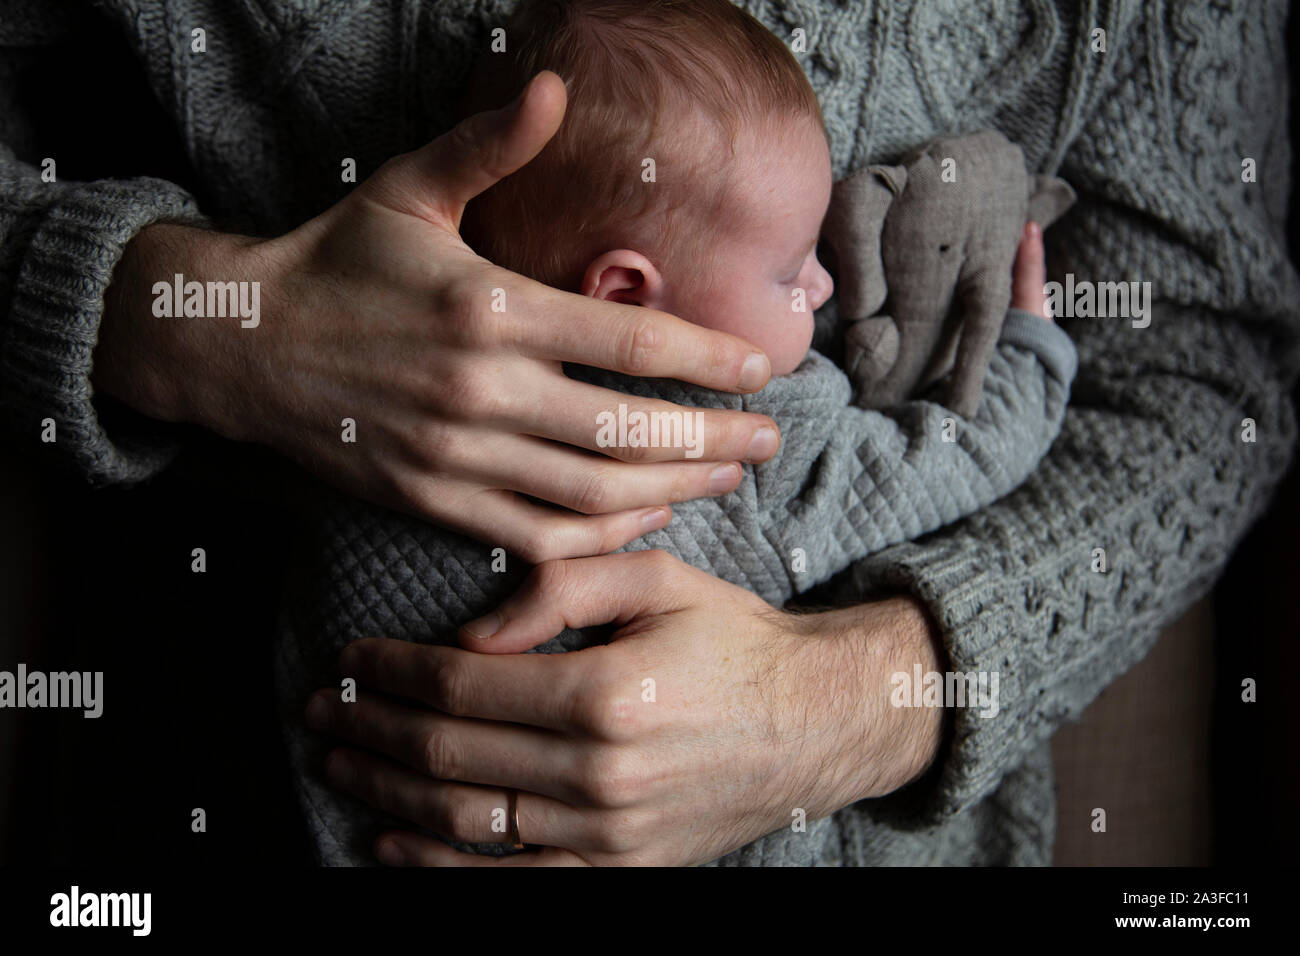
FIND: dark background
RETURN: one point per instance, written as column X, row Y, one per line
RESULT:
column 100, row 580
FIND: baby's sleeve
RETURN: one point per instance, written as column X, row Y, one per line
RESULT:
column 889, row 475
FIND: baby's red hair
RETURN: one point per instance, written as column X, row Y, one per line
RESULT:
column 675, row 81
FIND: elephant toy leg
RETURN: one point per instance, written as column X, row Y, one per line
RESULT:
column 985, row 310
column 916, row 341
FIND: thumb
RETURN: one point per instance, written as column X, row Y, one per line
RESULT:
column 436, row 181
column 582, row 592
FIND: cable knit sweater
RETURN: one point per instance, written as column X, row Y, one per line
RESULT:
column 1150, row 465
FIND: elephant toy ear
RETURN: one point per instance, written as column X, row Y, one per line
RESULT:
column 895, row 177
column 859, row 206
column 1049, row 199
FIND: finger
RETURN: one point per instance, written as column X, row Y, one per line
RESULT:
column 1029, row 275
column 538, row 690
column 397, row 848
column 588, row 416
column 533, row 531
column 640, row 341
column 454, row 811
column 593, row 484
column 612, row 588
column 437, row 180
column 451, row 748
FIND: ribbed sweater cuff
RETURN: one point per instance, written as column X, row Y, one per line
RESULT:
column 971, row 601
column 48, row 340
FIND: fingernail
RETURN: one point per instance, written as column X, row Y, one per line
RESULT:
column 724, row 478
column 755, row 372
column 763, row 445
column 655, row 519
column 1035, row 230
column 389, row 853
column 484, row 627
column 317, row 714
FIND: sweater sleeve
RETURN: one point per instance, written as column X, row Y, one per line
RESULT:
column 1178, row 431
column 891, row 475
column 59, row 244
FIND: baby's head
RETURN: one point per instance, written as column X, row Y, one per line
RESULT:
column 690, row 175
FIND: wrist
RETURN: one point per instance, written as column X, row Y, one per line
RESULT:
column 173, row 368
column 885, row 747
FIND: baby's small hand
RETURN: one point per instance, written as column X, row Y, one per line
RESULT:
column 1029, row 275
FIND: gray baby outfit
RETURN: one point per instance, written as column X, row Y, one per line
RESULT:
column 846, row 483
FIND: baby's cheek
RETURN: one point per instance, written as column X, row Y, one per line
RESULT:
column 776, row 326
column 787, row 341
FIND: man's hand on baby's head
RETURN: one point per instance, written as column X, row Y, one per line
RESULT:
column 1029, row 273
column 450, row 368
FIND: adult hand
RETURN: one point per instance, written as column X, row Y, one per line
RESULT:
column 754, row 714
column 378, row 312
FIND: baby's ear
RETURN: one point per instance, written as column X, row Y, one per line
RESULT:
column 624, row 275
column 1049, row 198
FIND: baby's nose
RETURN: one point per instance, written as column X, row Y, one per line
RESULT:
column 823, row 287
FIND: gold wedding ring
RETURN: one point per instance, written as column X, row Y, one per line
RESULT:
column 513, row 813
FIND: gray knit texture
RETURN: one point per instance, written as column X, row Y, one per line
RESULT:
column 1149, row 463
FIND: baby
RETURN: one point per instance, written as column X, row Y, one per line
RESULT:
column 691, row 174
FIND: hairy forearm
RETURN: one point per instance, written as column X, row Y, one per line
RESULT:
column 879, row 747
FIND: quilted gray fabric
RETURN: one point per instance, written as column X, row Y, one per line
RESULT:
column 847, row 483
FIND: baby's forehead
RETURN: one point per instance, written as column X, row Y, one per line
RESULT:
column 783, row 163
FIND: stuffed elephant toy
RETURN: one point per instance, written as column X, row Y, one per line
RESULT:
column 934, row 240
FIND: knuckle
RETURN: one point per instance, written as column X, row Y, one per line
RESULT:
column 550, row 579
column 436, row 757
column 684, row 484
column 538, row 546
column 612, row 778
column 425, row 445
column 609, row 537
column 608, row 713
column 641, row 343
column 722, row 356
column 620, row 831
column 635, row 453
column 454, row 303
column 447, row 682
column 463, row 304
column 455, row 819
column 660, row 565
column 468, row 392
column 593, row 492
column 466, row 138
column 382, row 791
